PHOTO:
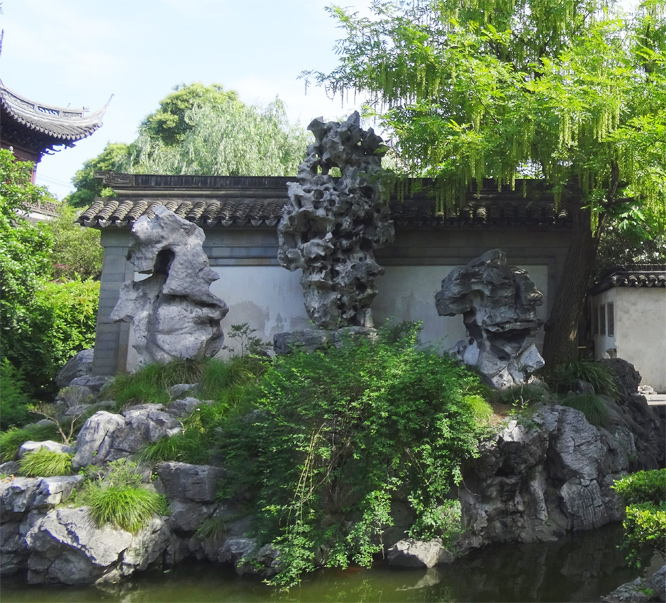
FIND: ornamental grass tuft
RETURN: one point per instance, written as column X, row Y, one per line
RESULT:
column 125, row 507
column 46, row 463
column 592, row 406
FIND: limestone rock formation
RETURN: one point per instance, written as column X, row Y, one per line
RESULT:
column 498, row 303
column 107, row 437
column 330, row 226
column 79, row 365
column 413, row 554
column 553, row 473
column 173, row 313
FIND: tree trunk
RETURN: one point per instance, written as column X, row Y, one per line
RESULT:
column 562, row 326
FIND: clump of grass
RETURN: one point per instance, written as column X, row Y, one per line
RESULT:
column 151, row 383
column 521, row 395
column 237, row 373
column 125, row 507
column 212, row 527
column 592, row 406
column 115, row 496
column 562, row 378
column 11, row 440
column 46, row 463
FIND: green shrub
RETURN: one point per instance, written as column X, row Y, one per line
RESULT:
column 562, row 378
column 644, row 532
column 14, row 400
column 642, row 487
column 442, row 521
column 645, row 520
column 11, row 440
column 46, row 463
column 59, row 322
column 220, row 378
column 336, row 433
column 125, row 507
column 592, row 406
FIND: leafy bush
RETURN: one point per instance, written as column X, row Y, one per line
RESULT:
column 644, row 532
column 592, row 406
column 642, row 486
column 442, row 521
column 46, row 463
column 59, row 322
column 645, row 520
column 11, row 440
column 562, row 378
column 14, row 400
column 335, row 434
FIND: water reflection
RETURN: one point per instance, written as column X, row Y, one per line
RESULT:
column 581, row 567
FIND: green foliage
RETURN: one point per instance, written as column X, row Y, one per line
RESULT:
column 442, row 521
column 14, row 400
column 246, row 343
column 642, row 487
column 11, row 440
column 522, row 395
column 200, row 129
column 335, row 434
column 116, row 497
column 124, row 507
column 42, row 323
column 151, row 383
column 46, row 463
column 76, row 253
column 644, row 532
column 229, row 139
column 211, row 527
column 562, row 377
column 565, row 91
column 644, row 493
column 169, row 124
column 60, row 323
column 592, row 406
column 114, row 158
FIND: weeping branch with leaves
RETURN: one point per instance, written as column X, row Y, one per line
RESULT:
column 572, row 92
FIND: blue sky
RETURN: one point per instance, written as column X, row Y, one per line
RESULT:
column 79, row 52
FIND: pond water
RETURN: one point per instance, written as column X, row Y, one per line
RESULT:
column 580, row 567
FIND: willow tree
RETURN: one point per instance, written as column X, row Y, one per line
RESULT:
column 569, row 91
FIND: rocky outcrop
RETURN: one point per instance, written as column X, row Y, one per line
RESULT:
column 173, row 313
column 417, row 554
column 498, row 303
column 640, row 590
column 79, row 365
column 330, row 226
column 66, row 547
column 106, row 436
column 547, row 474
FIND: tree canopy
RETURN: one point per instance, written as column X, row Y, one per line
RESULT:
column 201, row 129
column 569, row 91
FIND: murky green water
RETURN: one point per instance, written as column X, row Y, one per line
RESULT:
column 581, row 567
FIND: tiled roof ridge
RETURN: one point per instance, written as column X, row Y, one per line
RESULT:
column 59, row 122
column 635, row 275
column 241, row 211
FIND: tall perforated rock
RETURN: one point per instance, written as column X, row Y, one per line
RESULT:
column 331, row 226
column 498, row 303
column 173, row 313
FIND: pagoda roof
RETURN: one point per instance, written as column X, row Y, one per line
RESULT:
column 56, row 125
